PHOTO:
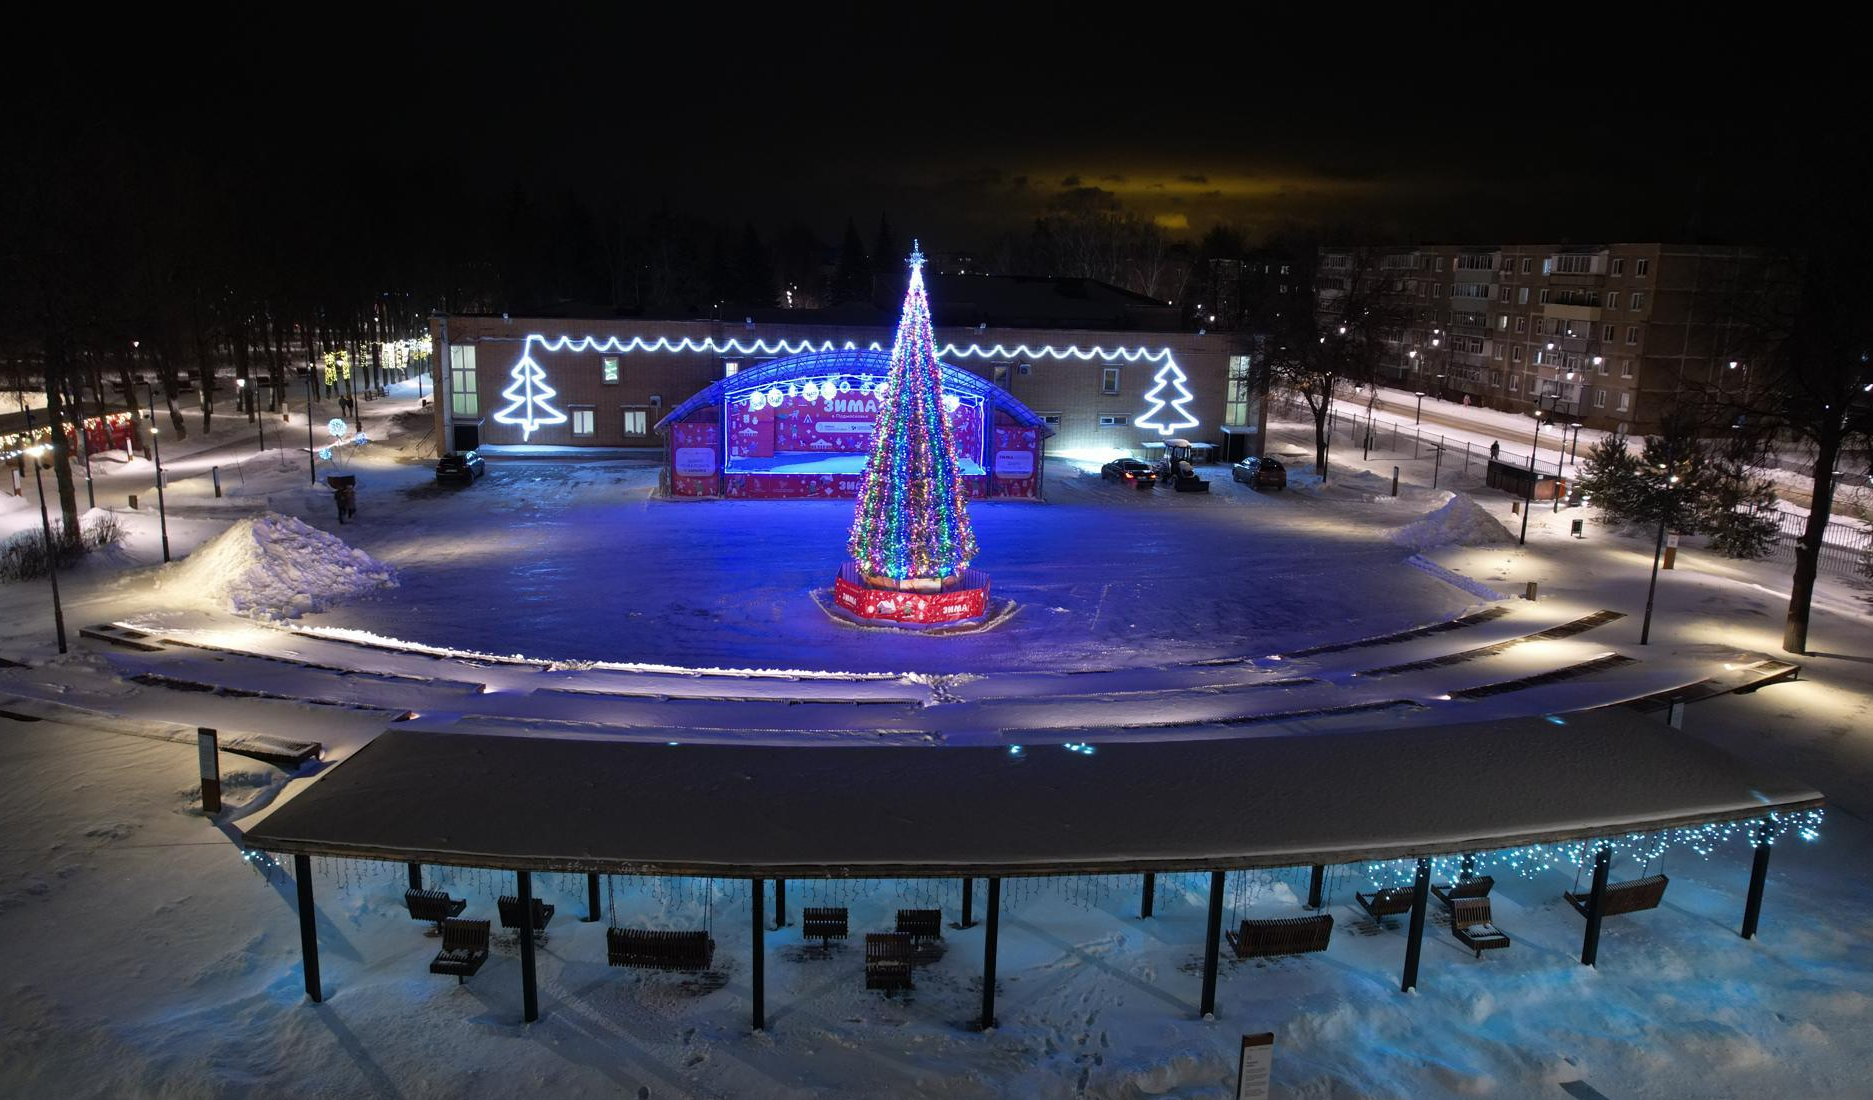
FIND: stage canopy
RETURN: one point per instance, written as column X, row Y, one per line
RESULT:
column 594, row 805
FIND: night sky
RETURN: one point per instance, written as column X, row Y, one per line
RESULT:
column 961, row 122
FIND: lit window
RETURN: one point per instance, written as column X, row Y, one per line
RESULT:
column 729, row 368
column 462, row 399
column 1109, row 381
column 636, row 422
column 1599, row 399
column 608, row 371
column 581, row 420
column 1625, row 402
column 1502, row 323
column 1112, row 421
column 1521, row 296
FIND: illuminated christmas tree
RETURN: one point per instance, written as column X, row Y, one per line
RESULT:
column 912, row 521
column 530, row 404
column 1168, row 379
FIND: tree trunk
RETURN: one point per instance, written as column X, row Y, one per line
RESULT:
column 1320, row 437
column 1808, row 550
column 55, row 370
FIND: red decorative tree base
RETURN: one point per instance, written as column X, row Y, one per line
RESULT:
column 960, row 600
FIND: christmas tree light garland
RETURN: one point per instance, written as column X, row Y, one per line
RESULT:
column 1534, row 859
column 912, row 519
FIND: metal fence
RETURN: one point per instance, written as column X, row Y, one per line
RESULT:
column 1845, row 550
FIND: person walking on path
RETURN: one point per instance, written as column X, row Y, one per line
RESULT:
column 1495, row 448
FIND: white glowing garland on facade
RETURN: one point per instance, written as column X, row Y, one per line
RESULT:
column 1533, row 859
column 710, row 345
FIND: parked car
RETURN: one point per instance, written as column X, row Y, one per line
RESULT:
column 1261, row 473
column 462, row 466
column 1141, row 474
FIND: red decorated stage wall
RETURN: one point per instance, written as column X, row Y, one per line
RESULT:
column 697, row 454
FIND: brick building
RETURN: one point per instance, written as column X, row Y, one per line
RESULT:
column 1100, row 367
column 1603, row 333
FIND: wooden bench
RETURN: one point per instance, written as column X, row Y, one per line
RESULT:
column 1263, row 939
column 433, row 906
column 659, row 950
column 887, row 961
column 1451, row 893
column 1389, row 902
column 824, row 924
column 509, row 906
column 464, row 948
column 920, row 924
column 1625, row 897
column 1470, row 923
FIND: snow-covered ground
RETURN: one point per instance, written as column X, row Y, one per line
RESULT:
column 146, row 956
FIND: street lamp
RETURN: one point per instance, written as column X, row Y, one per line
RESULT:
column 1419, row 418
column 1658, row 550
column 312, row 457
column 1528, row 503
column 156, row 445
column 45, row 526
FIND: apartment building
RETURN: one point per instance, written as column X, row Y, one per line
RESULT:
column 1603, row 334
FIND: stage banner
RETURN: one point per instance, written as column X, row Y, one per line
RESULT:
column 695, row 446
column 781, row 424
column 1015, row 462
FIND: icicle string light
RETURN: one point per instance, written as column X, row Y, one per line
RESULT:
column 912, row 519
column 1535, row 859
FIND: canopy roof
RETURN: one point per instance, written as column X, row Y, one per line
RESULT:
column 817, row 364
column 545, row 803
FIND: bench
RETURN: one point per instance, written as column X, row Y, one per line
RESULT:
column 920, row 924
column 1625, row 897
column 1451, row 893
column 1470, row 923
column 509, row 906
column 824, row 924
column 1389, row 902
column 1263, row 939
column 887, row 961
column 464, row 949
column 659, row 950
column 433, row 906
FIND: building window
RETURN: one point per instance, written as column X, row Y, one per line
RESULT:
column 1543, row 300
column 1640, row 268
column 1515, row 354
column 1113, row 421
column 1599, row 398
column 1527, row 264
column 1521, row 325
column 1607, row 332
column 1625, row 402
column 1515, row 381
column 1502, row 294
column 1109, row 381
column 1052, row 420
column 581, row 419
column 1521, row 296
column 462, row 399
column 1574, row 264
column 1625, row 368
column 608, row 370
column 636, row 421
column 1632, row 334
column 1638, row 301
column 1001, row 375
column 1599, row 365
column 1236, row 401
column 730, row 368
column 1502, row 323
column 1612, row 299
column 1619, row 266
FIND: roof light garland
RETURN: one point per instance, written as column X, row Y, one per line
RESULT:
column 912, row 519
column 1568, row 856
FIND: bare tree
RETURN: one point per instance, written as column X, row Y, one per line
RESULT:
column 1342, row 342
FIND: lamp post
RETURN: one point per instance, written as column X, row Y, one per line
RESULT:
column 312, row 457
column 156, row 446
column 1658, row 550
column 1528, row 503
column 1419, row 418
column 45, row 527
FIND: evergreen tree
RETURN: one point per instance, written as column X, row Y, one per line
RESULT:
column 1740, row 511
column 1611, row 476
column 912, row 519
column 851, row 278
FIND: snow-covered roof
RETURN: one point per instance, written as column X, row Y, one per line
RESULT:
column 583, row 804
column 814, row 364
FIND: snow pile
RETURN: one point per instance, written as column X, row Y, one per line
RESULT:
column 276, row 567
column 1460, row 522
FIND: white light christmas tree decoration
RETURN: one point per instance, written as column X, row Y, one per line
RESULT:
column 530, row 400
column 1169, row 377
